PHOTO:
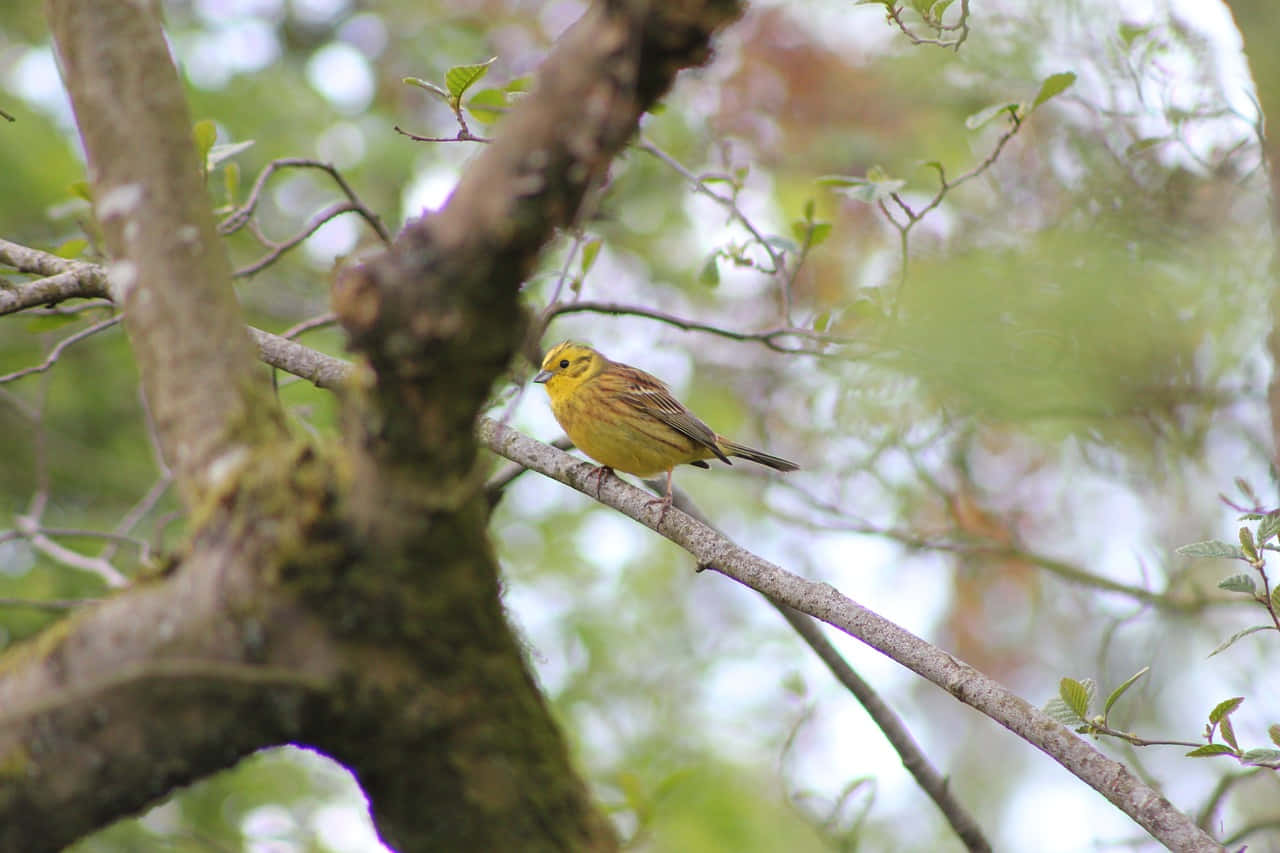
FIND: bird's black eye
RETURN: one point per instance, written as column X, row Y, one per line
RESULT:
column 564, row 362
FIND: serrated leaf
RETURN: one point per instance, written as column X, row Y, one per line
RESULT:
column 590, row 250
column 1261, row 755
column 1119, row 691
column 1230, row 641
column 1275, row 598
column 710, row 273
column 1269, row 527
column 982, row 117
column 1211, row 548
column 1077, row 695
column 73, row 248
column 1061, row 711
column 1238, row 583
column 1224, row 709
column 1053, row 86
column 1210, row 749
column 205, row 133
column 220, row 153
column 459, row 78
column 488, row 105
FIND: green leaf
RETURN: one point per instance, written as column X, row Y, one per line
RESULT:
column 73, row 248
column 1077, row 694
column 1061, row 711
column 1273, row 731
column 1212, row 548
column 1238, row 583
column 1230, row 641
column 519, row 85
column 819, row 233
column 982, row 117
column 205, row 133
column 822, row 321
column 781, row 243
column 220, row 153
column 1210, row 749
column 488, row 105
column 1246, row 544
column 1224, row 709
column 1260, row 756
column 1119, row 691
column 1275, row 598
column 809, row 208
column 1269, row 527
column 459, row 78
column 590, row 250
column 1129, row 32
column 840, row 181
column 1054, row 85
column 710, row 273
column 1228, row 733
column 81, row 189
column 425, row 84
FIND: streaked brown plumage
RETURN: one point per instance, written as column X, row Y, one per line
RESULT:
column 628, row 420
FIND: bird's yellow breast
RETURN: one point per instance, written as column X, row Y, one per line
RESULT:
column 617, row 437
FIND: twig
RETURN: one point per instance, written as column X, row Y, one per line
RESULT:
column 30, row 531
column 278, row 249
column 464, row 135
column 240, row 217
column 56, row 352
column 769, row 337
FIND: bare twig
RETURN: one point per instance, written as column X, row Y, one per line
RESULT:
column 31, row 531
column 772, row 338
column 56, row 352
column 240, row 217
column 464, row 135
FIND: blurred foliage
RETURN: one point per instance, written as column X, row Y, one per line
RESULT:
column 1067, row 370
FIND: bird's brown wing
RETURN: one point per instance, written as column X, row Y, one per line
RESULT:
column 649, row 395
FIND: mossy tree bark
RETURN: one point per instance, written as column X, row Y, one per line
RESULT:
column 341, row 597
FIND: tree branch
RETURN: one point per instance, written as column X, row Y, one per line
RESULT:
column 169, row 270
column 822, row 601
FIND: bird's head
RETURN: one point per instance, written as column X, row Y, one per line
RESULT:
column 567, row 365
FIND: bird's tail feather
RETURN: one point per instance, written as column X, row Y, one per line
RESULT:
column 777, row 463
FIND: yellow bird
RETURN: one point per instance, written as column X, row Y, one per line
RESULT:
column 628, row 420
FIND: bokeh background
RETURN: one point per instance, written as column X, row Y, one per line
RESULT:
column 1002, row 441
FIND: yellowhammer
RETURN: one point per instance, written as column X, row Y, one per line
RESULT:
column 628, row 420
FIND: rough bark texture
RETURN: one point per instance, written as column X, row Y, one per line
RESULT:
column 346, row 599
column 196, row 363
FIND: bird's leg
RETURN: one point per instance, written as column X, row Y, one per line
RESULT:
column 665, row 501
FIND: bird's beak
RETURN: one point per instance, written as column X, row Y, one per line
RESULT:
column 542, row 376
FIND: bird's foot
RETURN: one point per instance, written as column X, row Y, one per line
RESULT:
column 665, row 503
column 600, row 473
